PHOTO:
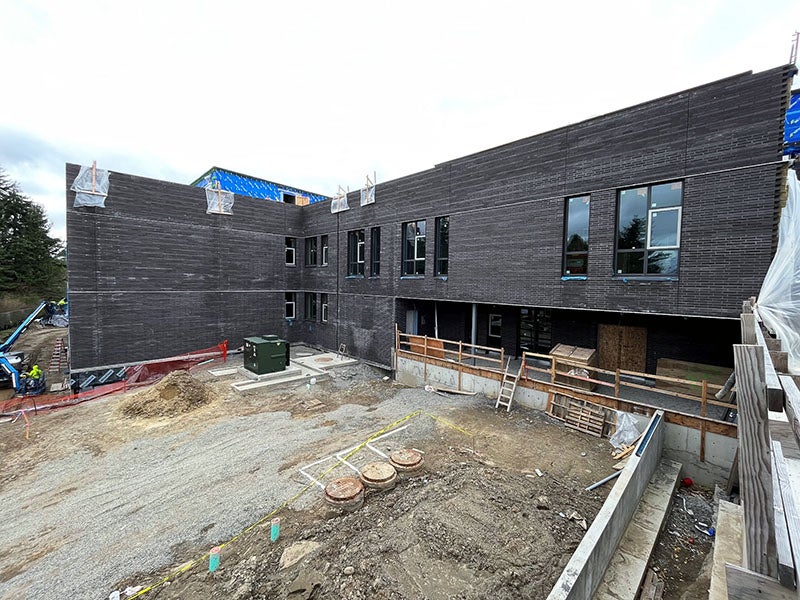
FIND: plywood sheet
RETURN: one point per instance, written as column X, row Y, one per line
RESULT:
column 681, row 369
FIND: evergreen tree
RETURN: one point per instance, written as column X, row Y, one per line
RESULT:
column 29, row 262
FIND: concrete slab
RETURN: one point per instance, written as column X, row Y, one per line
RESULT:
column 296, row 373
column 289, row 371
column 225, row 372
column 728, row 547
column 629, row 563
column 324, row 361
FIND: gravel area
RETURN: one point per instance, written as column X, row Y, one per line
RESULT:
column 93, row 497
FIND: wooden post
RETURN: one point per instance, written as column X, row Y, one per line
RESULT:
column 748, row 328
column 747, row 308
column 502, row 360
column 552, row 369
column 616, row 385
column 755, row 469
column 703, row 401
column 460, row 358
column 425, row 360
column 94, row 175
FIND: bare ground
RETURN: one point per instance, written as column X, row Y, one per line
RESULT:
column 96, row 500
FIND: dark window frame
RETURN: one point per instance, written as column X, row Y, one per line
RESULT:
column 355, row 253
column 311, row 256
column 310, row 306
column 442, row 246
column 375, row 252
column 324, row 307
column 414, row 266
column 568, row 254
column 650, row 253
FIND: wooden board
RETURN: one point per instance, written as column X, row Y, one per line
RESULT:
column 755, row 478
column 747, row 585
column 681, row 369
column 622, row 347
column 782, row 543
column 582, row 415
column 784, row 488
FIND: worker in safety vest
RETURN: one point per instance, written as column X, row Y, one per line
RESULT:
column 35, row 372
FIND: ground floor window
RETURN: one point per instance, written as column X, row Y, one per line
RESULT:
column 289, row 305
column 324, row 302
column 495, row 326
column 310, row 313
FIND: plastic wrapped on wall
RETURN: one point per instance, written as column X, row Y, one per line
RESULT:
column 87, row 194
column 779, row 300
column 339, row 203
column 367, row 195
column 219, row 202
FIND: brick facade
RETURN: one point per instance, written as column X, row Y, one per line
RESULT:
column 153, row 275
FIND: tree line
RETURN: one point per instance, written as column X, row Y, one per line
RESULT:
column 32, row 263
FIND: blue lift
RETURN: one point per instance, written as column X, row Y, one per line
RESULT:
column 5, row 349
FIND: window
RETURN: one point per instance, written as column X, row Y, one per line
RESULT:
column 291, row 247
column 375, row 252
column 288, row 198
column 324, row 302
column 414, row 248
column 649, row 229
column 495, row 326
column 311, row 252
column 323, row 241
column 310, row 313
column 289, row 305
column 442, row 244
column 576, row 239
column 355, row 252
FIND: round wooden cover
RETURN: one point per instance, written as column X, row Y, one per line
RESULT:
column 344, row 488
column 378, row 472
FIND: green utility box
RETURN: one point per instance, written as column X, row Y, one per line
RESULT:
column 266, row 354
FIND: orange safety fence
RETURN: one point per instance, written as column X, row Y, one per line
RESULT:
column 135, row 376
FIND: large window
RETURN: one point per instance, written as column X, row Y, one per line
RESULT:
column 414, row 248
column 324, row 303
column 649, row 229
column 355, row 252
column 311, row 252
column 310, row 313
column 576, row 240
column 442, row 245
column 289, row 305
column 375, row 252
column 291, row 249
column 323, row 241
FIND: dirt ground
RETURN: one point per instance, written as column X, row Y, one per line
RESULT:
column 100, row 501
column 476, row 524
column 683, row 554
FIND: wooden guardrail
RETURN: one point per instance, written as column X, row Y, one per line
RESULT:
column 465, row 357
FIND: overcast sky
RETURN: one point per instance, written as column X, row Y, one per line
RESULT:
column 317, row 94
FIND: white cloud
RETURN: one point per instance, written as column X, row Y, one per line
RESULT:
column 315, row 94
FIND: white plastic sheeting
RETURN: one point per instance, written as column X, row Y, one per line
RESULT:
column 779, row 300
column 85, row 193
column 219, row 202
column 367, row 195
column 339, row 203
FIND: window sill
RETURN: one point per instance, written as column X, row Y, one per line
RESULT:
column 374, row 277
column 354, row 277
column 441, row 277
column 627, row 278
column 412, row 277
column 574, row 277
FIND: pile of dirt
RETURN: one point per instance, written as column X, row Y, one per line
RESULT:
column 467, row 531
column 176, row 394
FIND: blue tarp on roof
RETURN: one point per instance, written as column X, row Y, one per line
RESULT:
column 244, row 185
column 791, row 129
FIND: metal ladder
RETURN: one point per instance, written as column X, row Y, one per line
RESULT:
column 507, row 388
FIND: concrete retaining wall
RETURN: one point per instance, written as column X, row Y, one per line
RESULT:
column 589, row 562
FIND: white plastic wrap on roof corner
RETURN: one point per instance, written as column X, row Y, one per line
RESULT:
column 339, row 203
column 85, row 193
column 779, row 300
column 219, row 202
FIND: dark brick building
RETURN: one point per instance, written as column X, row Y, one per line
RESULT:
column 640, row 231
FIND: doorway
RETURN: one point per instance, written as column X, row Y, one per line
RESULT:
column 622, row 347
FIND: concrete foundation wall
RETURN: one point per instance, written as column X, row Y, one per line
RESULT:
column 589, row 562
